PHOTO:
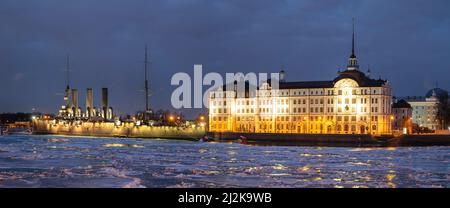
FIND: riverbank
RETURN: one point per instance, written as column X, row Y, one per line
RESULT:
column 129, row 130
column 333, row 140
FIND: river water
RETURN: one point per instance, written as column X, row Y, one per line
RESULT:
column 56, row 161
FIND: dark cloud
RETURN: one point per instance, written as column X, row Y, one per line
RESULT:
column 405, row 41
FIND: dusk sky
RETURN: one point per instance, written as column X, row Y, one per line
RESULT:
column 404, row 41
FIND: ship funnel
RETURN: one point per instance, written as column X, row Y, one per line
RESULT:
column 105, row 107
column 75, row 103
column 89, row 102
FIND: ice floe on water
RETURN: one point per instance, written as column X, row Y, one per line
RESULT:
column 49, row 161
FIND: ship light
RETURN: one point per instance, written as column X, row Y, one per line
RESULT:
column 118, row 123
column 138, row 123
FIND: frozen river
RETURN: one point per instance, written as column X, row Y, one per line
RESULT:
column 56, row 161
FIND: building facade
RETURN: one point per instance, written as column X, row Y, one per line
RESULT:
column 352, row 103
column 402, row 123
column 425, row 111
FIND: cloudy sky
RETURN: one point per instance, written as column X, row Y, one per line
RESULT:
column 404, row 41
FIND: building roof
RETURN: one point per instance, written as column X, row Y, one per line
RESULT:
column 307, row 84
column 414, row 99
column 440, row 93
column 360, row 78
column 401, row 104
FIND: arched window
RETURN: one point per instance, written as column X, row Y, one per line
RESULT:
column 346, row 83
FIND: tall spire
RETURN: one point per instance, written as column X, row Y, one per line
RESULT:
column 353, row 40
column 352, row 61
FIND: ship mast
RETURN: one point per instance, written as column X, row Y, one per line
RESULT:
column 65, row 108
column 67, row 72
column 67, row 92
column 147, row 109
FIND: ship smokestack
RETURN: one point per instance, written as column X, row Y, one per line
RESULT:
column 105, row 103
column 89, row 102
column 75, row 102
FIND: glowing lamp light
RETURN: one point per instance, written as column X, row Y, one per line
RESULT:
column 171, row 118
column 392, row 117
column 118, row 123
column 33, row 117
column 202, row 118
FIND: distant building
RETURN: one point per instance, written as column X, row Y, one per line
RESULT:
column 425, row 111
column 402, row 111
column 444, row 106
column 19, row 124
column 352, row 103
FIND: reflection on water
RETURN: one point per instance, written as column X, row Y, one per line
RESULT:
column 123, row 145
column 49, row 161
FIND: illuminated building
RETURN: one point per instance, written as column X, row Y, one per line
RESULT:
column 402, row 111
column 352, row 103
column 425, row 111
